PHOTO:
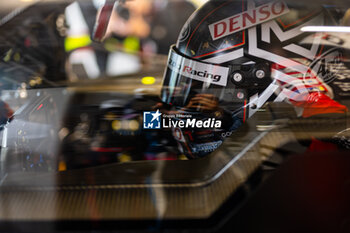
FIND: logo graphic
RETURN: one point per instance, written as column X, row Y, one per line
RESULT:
column 151, row 120
column 198, row 70
column 247, row 19
column 328, row 66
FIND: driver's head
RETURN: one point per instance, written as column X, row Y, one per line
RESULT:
column 246, row 53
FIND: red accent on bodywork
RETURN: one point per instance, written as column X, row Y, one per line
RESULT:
column 39, row 107
column 245, row 111
column 318, row 103
column 320, row 146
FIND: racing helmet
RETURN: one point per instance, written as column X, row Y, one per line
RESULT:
column 248, row 52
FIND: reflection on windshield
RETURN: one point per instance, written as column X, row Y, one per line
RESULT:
column 179, row 132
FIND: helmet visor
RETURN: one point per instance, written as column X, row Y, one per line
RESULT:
column 185, row 78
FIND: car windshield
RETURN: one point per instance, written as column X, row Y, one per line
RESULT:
column 118, row 111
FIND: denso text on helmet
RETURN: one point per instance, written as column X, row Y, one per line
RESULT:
column 247, row 19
